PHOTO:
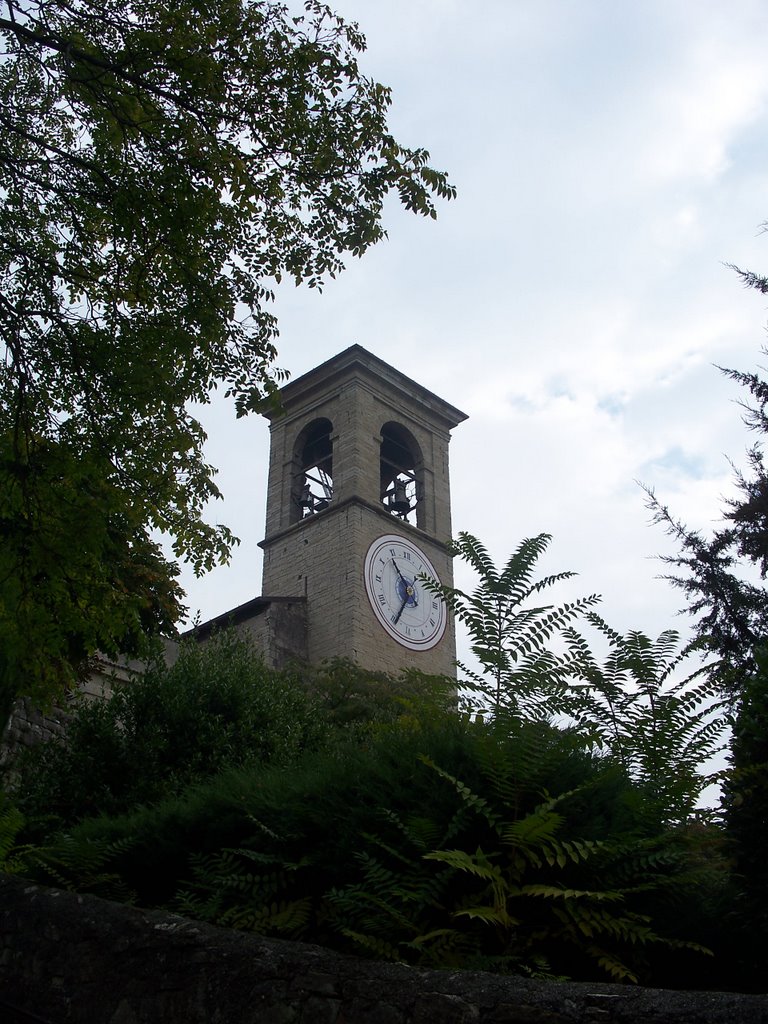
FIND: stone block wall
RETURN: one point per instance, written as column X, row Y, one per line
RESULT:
column 322, row 560
column 29, row 725
column 73, row 958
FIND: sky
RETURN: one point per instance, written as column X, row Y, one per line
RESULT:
column 611, row 158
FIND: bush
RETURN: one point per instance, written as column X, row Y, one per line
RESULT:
column 441, row 841
column 363, row 812
column 216, row 708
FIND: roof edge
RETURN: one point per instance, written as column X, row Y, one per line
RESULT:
column 358, row 358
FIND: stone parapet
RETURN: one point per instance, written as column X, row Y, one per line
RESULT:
column 74, row 958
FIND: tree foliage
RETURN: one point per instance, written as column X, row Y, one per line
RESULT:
column 161, row 167
column 745, row 802
column 76, row 576
column 511, row 635
column 722, row 577
column 664, row 727
column 730, row 610
column 637, row 707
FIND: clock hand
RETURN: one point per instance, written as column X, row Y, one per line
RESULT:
column 402, row 606
column 397, row 570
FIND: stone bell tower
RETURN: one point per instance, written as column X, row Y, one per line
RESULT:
column 358, row 510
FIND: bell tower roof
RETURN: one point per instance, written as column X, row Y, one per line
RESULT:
column 356, row 363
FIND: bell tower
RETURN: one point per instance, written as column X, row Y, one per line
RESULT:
column 358, row 508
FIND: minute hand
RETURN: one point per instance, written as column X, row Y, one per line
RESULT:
column 397, row 570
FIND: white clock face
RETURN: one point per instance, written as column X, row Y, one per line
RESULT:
column 410, row 614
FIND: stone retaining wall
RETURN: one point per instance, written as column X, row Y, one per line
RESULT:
column 28, row 725
column 81, row 960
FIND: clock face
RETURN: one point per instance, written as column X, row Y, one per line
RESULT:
column 410, row 614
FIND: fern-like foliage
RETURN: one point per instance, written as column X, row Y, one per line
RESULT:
column 11, row 824
column 390, row 912
column 247, row 890
column 663, row 725
column 80, row 865
column 67, row 862
column 511, row 633
column 503, row 881
column 523, row 889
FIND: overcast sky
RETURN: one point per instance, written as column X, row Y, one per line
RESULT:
column 610, row 158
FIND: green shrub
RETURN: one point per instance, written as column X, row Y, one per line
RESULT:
column 217, row 707
column 505, row 876
column 440, row 841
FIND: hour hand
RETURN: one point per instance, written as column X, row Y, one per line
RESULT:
column 402, row 606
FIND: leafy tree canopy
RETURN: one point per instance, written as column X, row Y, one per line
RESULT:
column 161, row 167
column 663, row 728
column 510, row 629
column 635, row 708
column 730, row 610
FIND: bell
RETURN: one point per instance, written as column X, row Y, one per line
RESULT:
column 306, row 500
column 398, row 502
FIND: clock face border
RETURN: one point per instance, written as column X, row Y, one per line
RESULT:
column 380, row 578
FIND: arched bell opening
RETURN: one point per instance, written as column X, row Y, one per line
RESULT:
column 402, row 474
column 313, row 470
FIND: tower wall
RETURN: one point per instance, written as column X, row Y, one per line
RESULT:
column 320, row 557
